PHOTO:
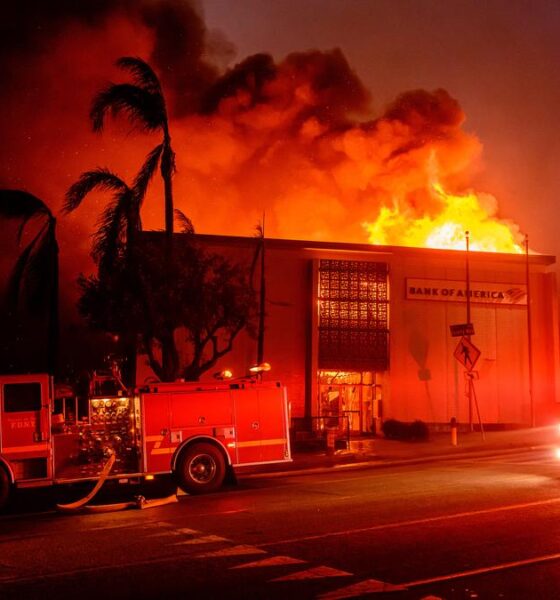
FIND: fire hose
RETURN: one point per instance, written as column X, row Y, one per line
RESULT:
column 139, row 501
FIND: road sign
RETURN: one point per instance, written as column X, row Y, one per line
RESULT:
column 462, row 329
column 466, row 353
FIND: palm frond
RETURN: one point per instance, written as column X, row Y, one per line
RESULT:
column 32, row 273
column 39, row 272
column 146, row 173
column 142, row 74
column 100, row 178
column 17, row 204
column 144, row 110
column 15, row 281
column 108, row 238
column 186, row 224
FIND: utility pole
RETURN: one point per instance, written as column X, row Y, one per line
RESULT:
column 262, row 302
column 529, row 332
column 468, row 290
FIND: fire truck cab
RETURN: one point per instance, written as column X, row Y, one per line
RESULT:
column 196, row 432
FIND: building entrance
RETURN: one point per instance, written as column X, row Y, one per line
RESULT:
column 349, row 400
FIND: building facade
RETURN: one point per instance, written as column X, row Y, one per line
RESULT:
column 366, row 332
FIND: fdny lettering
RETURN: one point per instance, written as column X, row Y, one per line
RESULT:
column 26, row 423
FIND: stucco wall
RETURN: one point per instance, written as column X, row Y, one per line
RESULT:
column 424, row 380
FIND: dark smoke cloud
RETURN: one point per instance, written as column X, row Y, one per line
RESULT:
column 320, row 84
column 181, row 40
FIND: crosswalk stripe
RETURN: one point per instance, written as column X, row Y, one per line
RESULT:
column 188, row 531
column 174, row 532
column 273, row 561
column 240, row 550
column 206, row 539
column 314, row 573
column 368, row 586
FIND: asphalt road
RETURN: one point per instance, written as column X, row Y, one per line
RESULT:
column 468, row 528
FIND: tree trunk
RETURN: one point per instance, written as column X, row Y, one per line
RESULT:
column 53, row 318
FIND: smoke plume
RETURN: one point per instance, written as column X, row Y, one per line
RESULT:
column 295, row 138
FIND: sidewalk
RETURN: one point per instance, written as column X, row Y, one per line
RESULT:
column 380, row 452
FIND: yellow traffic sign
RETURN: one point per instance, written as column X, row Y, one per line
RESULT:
column 466, row 353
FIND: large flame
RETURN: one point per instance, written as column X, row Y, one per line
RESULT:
column 447, row 228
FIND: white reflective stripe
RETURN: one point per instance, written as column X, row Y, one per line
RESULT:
column 34, row 448
column 274, row 442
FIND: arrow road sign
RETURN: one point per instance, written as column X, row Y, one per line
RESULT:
column 466, row 353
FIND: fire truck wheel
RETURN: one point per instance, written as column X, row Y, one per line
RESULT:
column 201, row 469
column 4, row 488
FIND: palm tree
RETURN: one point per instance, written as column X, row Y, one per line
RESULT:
column 35, row 274
column 120, row 222
column 144, row 104
column 117, row 234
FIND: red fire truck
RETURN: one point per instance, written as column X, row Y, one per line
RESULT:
column 197, row 432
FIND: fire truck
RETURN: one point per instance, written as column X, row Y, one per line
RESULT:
column 198, row 433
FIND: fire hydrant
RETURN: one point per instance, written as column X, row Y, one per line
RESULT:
column 453, row 428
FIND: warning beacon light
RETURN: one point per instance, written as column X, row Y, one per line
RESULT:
column 260, row 368
column 225, row 374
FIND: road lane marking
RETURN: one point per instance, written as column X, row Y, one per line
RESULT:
column 373, row 585
column 314, row 573
column 207, row 539
column 239, row 550
column 368, row 586
column 413, row 522
column 273, row 561
column 484, row 570
column 214, row 514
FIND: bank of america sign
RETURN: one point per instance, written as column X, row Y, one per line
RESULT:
column 443, row 290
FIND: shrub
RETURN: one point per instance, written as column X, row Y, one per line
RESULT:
column 394, row 430
column 397, row 430
column 418, row 430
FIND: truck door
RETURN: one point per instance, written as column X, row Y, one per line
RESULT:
column 247, row 426
column 26, row 433
column 274, row 424
column 261, row 424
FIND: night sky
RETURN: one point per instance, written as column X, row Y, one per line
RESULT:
column 310, row 130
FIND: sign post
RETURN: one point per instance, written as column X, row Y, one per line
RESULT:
column 468, row 354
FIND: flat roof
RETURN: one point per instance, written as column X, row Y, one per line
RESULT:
column 288, row 244
column 433, row 253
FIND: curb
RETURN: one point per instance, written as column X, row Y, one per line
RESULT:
column 380, row 462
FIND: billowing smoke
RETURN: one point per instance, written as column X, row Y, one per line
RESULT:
column 294, row 139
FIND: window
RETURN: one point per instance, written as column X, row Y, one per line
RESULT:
column 353, row 315
column 21, row 397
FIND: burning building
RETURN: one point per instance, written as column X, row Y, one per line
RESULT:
column 367, row 332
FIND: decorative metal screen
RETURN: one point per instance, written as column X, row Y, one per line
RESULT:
column 353, row 315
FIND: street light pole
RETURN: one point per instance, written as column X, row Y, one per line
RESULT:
column 529, row 332
column 468, row 278
column 468, row 290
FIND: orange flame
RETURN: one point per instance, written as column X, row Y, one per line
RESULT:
column 457, row 214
